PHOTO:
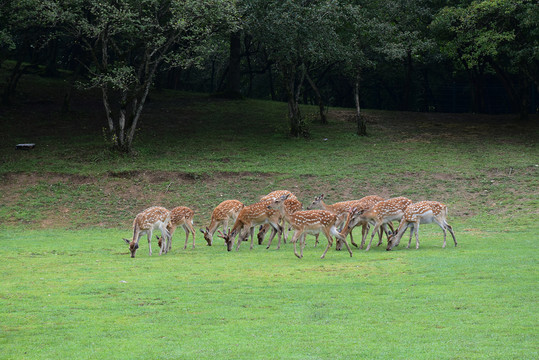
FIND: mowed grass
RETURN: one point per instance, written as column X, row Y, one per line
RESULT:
column 78, row 295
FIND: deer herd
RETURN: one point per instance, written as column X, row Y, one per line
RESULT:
column 281, row 212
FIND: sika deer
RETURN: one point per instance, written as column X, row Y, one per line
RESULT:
column 179, row 216
column 423, row 212
column 312, row 222
column 225, row 211
column 292, row 203
column 354, row 218
column 382, row 213
column 249, row 217
column 145, row 223
column 341, row 209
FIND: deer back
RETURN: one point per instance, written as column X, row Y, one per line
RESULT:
column 388, row 208
column 180, row 215
column 224, row 209
column 147, row 218
column 310, row 218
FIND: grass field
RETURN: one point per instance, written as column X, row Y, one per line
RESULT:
column 70, row 290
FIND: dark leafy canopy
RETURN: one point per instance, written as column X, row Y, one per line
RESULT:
column 501, row 34
column 297, row 35
column 129, row 40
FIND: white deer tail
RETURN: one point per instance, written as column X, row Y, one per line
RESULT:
column 335, row 233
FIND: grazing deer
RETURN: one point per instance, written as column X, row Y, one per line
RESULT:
column 309, row 222
column 354, row 219
column 292, row 204
column 250, row 217
column 381, row 214
column 222, row 214
column 179, row 216
column 423, row 212
column 341, row 209
column 145, row 223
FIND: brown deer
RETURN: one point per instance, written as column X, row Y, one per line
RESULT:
column 354, row 219
column 222, row 214
column 341, row 209
column 381, row 214
column 292, row 204
column 145, row 223
column 423, row 212
column 250, row 217
column 179, row 216
column 312, row 222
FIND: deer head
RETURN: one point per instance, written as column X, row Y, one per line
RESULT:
column 316, row 201
column 132, row 247
column 229, row 239
column 207, row 235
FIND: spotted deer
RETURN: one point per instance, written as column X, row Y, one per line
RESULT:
column 354, row 219
column 341, row 209
column 381, row 214
column 179, row 216
column 145, row 223
column 423, row 212
column 292, row 204
column 222, row 214
column 248, row 218
column 309, row 222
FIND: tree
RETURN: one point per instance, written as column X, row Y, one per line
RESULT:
column 129, row 40
column 295, row 35
column 24, row 33
column 499, row 36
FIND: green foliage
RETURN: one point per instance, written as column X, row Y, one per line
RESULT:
column 479, row 31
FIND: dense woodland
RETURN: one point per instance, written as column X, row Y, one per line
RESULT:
column 426, row 55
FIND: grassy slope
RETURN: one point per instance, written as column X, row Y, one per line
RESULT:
column 69, row 288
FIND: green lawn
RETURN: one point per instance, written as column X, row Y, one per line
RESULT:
column 78, row 294
column 70, row 290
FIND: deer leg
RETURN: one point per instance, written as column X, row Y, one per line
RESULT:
column 252, row 232
column 272, row 235
column 412, row 230
column 416, row 227
column 380, row 232
column 241, row 234
column 343, row 240
column 295, row 237
column 302, row 243
column 372, row 236
column 190, row 227
column 364, row 234
column 330, row 242
column 352, row 239
column 149, row 234
column 450, row 228
column 262, row 233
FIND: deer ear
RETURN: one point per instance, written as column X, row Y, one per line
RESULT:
column 126, row 240
column 202, row 231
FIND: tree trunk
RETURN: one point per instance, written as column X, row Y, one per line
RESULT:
column 361, row 125
column 297, row 125
column 321, row 107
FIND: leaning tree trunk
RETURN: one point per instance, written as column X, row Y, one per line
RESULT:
column 361, row 124
column 297, row 125
column 319, row 100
